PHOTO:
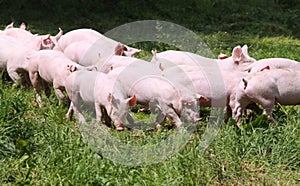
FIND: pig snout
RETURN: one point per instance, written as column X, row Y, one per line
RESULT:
column 71, row 68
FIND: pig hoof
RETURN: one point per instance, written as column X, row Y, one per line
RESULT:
column 40, row 105
column 120, row 128
column 158, row 127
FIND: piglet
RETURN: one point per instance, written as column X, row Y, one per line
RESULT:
column 273, row 63
column 97, row 94
column 268, row 87
column 53, row 67
column 85, row 46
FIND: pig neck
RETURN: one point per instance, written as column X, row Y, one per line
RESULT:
column 232, row 78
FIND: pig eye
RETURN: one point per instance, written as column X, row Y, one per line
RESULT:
column 47, row 41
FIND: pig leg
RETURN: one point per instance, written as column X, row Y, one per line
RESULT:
column 239, row 105
column 70, row 112
column 76, row 107
column 228, row 113
column 98, row 112
column 268, row 112
column 253, row 107
column 14, row 76
column 250, row 108
column 59, row 92
column 231, row 106
column 237, row 113
column 34, row 78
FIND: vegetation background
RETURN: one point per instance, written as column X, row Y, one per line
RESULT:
column 38, row 147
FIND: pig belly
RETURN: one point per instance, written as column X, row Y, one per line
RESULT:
column 289, row 98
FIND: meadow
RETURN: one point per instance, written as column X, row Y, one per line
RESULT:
column 39, row 147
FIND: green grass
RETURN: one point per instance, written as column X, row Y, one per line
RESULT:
column 38, row 147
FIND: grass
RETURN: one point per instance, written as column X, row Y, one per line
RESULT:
column 38, row 147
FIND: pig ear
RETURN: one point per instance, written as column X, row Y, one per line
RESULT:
column 11, row 25
column 59, row 34
column 112, row 100
column 131, row 51
column 23, row 26
column 47, row 40
column 222, row 56
column 265, row 68
column 131, row 101
column 245, row 50
column 119, row 49
column 203, row 99
column 237, row 54
column 154, row 52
